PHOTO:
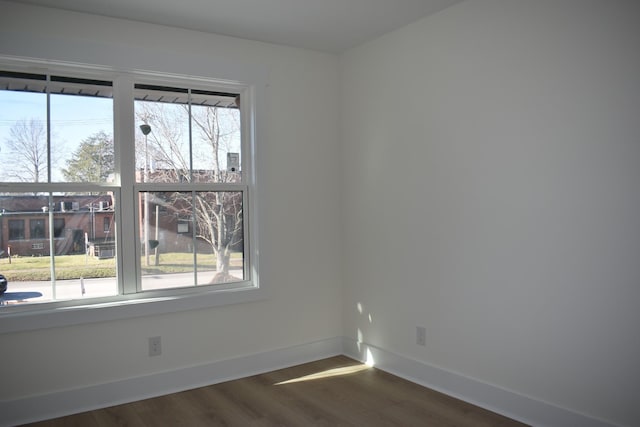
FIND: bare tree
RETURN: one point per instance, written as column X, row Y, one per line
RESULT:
column 217, row 215
column 27, row 151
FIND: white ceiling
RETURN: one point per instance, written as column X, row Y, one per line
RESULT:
column 326, row 25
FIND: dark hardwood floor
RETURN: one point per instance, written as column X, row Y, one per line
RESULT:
column 332, row 392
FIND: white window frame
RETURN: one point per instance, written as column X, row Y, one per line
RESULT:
column 131, row 302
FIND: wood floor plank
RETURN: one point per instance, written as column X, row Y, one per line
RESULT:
column 337, row 391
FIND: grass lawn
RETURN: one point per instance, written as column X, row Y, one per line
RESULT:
column 76, row 266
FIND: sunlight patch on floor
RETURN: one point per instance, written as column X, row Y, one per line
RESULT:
column 336, row 372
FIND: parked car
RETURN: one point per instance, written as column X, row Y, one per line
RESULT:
column 3, row 284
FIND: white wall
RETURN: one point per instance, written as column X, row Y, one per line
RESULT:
column 298, row 172
column 492, row 195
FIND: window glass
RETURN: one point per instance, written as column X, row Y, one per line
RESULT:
column 187, row 135
column 216, row 144
column 81, row 127
column 83, row 261
column 36, row 228
column 23, row 146
column 193, row 238
column 84, row 251
column 73, row 144
column 58, row 227
column 16, row 229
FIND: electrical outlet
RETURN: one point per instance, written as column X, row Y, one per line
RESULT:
column 155, row 346
column 421, row 335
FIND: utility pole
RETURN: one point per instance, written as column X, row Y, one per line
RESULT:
column 146, row 130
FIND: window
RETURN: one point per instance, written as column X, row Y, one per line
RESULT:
column 187, row 136
column 58, row 131
column 184, row 177
column 16, row 229
column 36, row 229
column 58, row 228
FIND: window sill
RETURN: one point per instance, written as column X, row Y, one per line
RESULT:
column 122, row 308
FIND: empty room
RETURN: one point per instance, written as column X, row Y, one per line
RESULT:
column 339, row 212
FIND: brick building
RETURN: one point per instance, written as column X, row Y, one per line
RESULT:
column 25, row 224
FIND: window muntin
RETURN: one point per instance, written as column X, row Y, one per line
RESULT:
column 194, row 179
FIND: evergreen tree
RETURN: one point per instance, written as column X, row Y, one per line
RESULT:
column 92, row 161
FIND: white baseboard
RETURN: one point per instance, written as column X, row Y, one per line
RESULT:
column 58, row 404
column 496, row 399
column 510, row 404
